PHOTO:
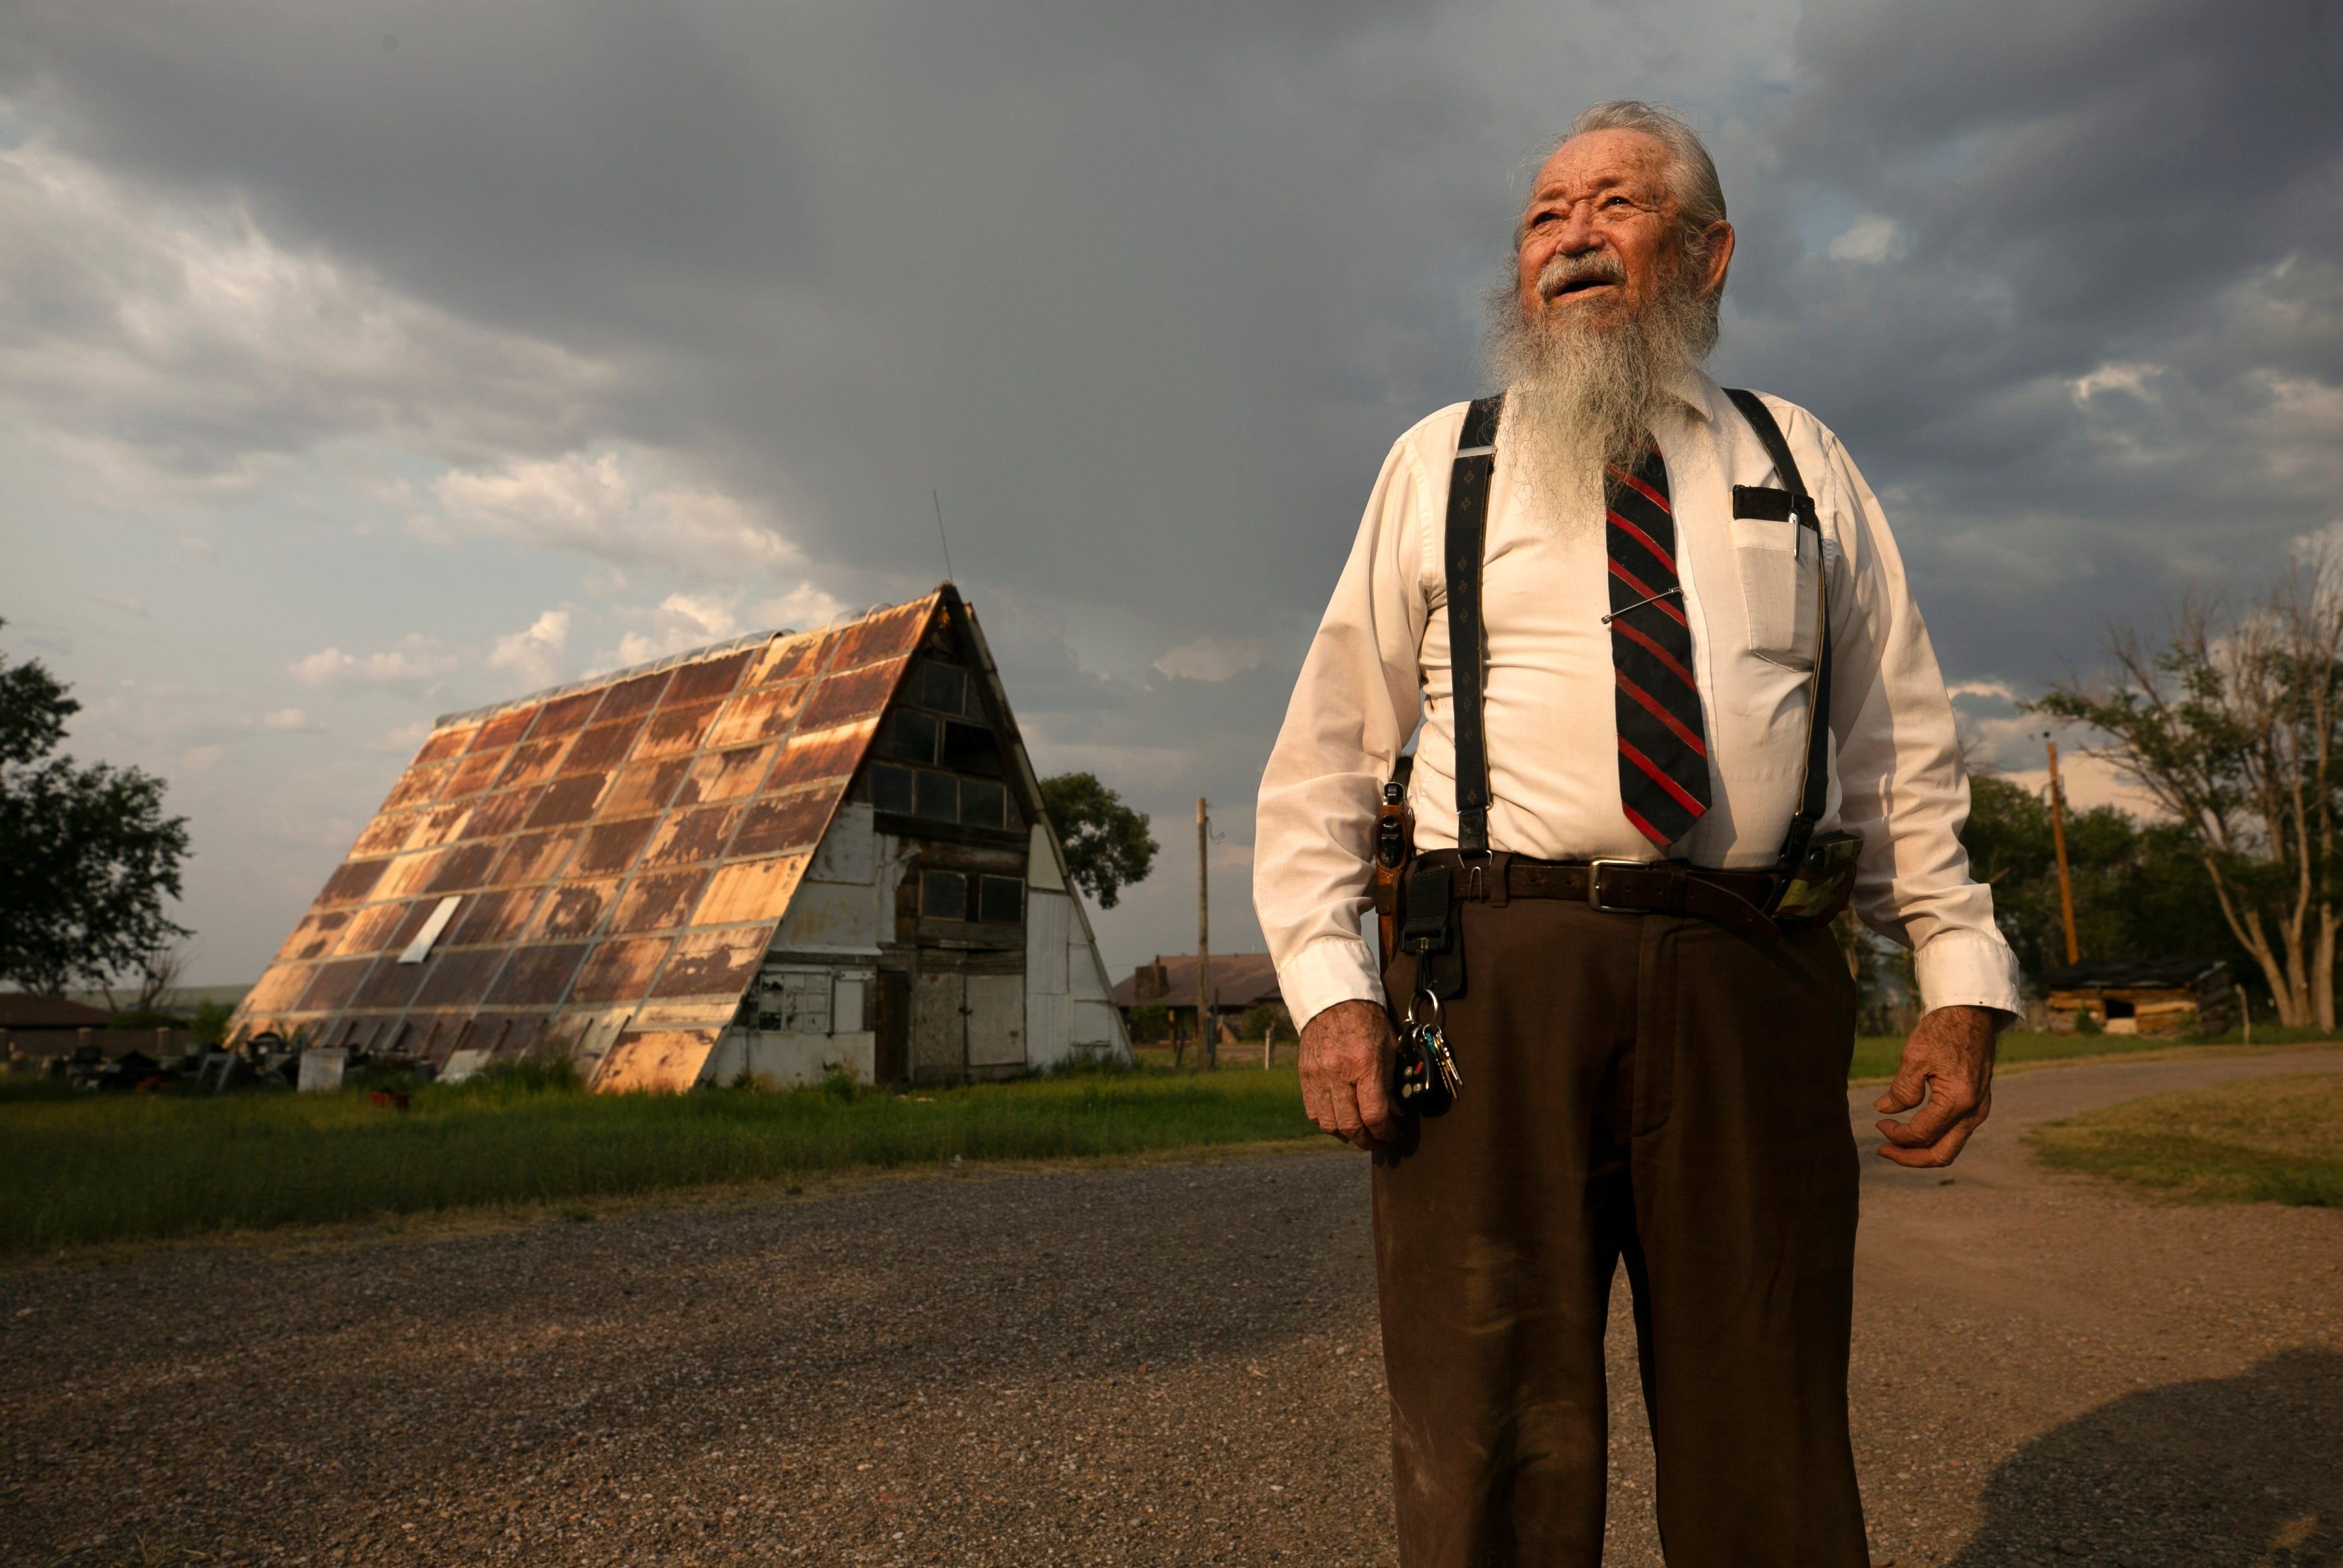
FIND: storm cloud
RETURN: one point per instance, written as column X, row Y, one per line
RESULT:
column 394, row 328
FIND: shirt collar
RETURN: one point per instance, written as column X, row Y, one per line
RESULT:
column 1696, row 391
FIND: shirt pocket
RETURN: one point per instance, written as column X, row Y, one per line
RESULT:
column 1778, row 560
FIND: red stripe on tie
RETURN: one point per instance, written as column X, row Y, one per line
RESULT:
column 1648, row 493
column 1657, row 651
column 1652, row 706
column 1643, row 592
column 1652, row 771
column 1646, row 828
column 1646, row 540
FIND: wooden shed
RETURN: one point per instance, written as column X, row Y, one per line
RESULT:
column 2159, row 998
column 784, row 856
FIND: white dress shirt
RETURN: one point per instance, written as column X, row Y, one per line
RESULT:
column 1381, row 660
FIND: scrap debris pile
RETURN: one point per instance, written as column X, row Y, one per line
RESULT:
column 266, row 1062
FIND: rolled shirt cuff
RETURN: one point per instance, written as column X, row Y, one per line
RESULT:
column 1967, row 969
column 1329, row 970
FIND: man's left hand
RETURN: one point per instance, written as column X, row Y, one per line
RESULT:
column 1948, row 1061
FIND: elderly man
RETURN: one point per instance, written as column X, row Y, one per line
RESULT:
column 1614, row 598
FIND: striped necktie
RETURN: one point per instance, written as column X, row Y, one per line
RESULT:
column 1663, row 742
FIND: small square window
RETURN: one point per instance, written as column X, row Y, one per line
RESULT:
column 970, row 748
column 794, row 1003
column 1000, row 899
column 909, row 737
column 943, row 895
column 938, row 797
column 890, row 789
column 943, row 687
column 983, row 805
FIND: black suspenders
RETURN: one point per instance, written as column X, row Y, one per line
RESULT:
column 1814, row 787
column 1468, row 527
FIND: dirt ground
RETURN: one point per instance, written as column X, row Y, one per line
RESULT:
column 1162, row 1365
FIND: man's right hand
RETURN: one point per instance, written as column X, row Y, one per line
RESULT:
column 1346, row 1059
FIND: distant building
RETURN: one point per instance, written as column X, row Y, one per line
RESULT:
column 46, row 1026
column 779, row 856
column 2159, row 998
column 21, row 1010
column 1239, row 982
column 40, row 1026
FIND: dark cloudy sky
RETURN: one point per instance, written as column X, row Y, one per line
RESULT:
column 364, row 361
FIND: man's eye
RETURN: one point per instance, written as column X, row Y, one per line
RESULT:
column 1542, row 219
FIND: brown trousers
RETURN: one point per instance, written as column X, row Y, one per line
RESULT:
column 1657, row 1089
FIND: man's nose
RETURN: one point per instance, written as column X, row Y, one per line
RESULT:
column 1579, row 233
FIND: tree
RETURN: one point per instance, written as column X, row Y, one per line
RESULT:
column 87, row 855
column 1108, row 846
column 2232, row 725
column 2140, row 888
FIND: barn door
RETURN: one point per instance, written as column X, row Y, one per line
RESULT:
column 996, row 1020
column 939, row 1024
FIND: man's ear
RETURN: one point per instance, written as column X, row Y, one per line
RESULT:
column 1719, row 261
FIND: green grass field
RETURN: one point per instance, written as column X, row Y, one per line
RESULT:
column 83, row 1168
column 80, row 1169
column 2267, row 1140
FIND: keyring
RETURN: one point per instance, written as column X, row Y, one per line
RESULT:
column 1436, row 1009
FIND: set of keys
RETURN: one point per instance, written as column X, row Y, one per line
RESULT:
column 1424, row 1080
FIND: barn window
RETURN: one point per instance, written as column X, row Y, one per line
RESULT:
column 982, row 805
column 909, row 737
column 794, row 1003
column 943, row 687
column 890, row 789
column 970, row 748
column 1000, row 899
column 943, row 895
column 936, row 796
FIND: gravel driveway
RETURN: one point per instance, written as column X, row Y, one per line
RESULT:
column 1166, row 1364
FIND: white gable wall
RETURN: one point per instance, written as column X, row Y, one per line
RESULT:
column 1069, row 1005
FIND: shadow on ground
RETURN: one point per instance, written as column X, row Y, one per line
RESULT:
column 2246, row 1470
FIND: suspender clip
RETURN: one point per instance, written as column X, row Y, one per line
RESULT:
column 1476, row 864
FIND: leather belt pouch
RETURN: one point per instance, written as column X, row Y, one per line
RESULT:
column 1428, row 934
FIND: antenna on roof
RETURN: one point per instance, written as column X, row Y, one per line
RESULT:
column 938, row 497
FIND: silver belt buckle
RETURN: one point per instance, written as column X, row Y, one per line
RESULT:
column 1594, row 885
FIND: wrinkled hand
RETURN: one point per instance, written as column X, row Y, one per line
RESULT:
column 1949, row 1060
column 1346, row 1058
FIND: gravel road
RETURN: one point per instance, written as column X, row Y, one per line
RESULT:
column 1169, row 1363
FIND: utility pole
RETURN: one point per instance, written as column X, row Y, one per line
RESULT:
column 1208, row 1038
column 2058, row 842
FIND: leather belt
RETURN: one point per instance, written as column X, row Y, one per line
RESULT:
column 1739, row 899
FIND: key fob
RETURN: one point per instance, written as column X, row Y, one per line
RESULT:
column 1424, row 1080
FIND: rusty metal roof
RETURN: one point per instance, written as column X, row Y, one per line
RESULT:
column 621, row 850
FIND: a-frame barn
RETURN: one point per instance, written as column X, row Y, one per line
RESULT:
column 769, row 860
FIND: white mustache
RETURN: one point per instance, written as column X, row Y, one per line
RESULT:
column 1589, row 267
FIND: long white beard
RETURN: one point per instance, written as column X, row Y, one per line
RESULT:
column 1584, row 389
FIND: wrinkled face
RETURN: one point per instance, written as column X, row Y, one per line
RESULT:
column 1600, row 236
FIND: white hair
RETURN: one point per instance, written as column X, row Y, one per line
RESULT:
column 1693, row 184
